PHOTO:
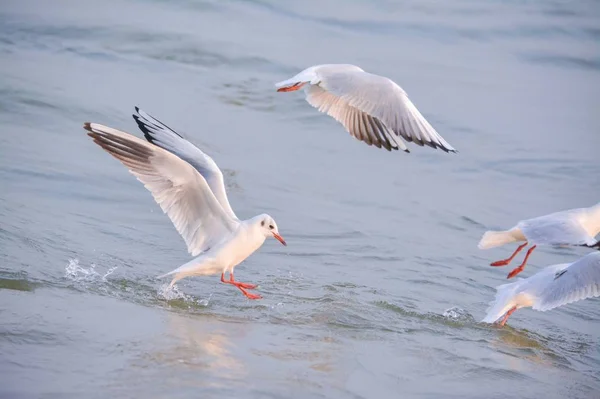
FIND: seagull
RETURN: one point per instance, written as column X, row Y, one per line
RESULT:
column 574, row 227
column 553, row 286
column 372, row 108
column 188, row 186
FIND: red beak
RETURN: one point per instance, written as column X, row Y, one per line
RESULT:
column 293, row 87
column 280, row 239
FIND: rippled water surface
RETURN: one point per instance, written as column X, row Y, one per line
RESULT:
column 380, row 290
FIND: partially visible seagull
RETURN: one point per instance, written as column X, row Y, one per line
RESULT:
column 553, row 286
column 574, row 227
column 188, row 186
column 372, row 108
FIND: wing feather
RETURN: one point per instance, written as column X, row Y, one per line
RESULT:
column 357, row 122
column 182, row 193
column 380, row 98
column 560, row 228
column 581, row 280
column 163, row 136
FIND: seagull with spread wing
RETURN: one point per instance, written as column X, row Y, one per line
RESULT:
column 188, row 186
column 372, row 108
column 553, row 286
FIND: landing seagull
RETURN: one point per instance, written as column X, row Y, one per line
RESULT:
column 553, row 286
column 372, row 108
column 573, row 227
column 188, row 186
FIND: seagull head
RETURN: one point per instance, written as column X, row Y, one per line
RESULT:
column 269, row 228
column 309, row 75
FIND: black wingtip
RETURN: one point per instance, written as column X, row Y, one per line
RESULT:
column 142, row 125
column 149, row 121
column 137, row 110
column 87, row 126
column 144, row 129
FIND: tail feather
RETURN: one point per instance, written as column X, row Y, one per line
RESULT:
column 195, row 267
column 493, row 239
column 503, row 301
column 167, row 274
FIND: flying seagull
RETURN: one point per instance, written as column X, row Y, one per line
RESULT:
column 573, row 227
column 372, row 108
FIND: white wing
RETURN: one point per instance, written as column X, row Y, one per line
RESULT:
column 176, row 186
column 163, row 136
column 581, row 280
column 371, row 107
column 561, row 228
column 359, row 124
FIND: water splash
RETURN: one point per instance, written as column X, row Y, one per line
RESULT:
column 75, row 272
column 94, row 280
column 458, row 314
column 174, row 294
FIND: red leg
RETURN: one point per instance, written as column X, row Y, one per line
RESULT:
column 507, row 261
column 243, row 285
column 507, row 315
column 249, row 295
column 520, row 268
column 240, row 286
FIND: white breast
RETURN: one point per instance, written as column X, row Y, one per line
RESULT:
column 242, row 244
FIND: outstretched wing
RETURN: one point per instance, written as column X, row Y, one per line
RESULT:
column 371, row 107
column 581, row 280
column 163, row 136
column 182, row 192
column 359, row 124
column 561, row 228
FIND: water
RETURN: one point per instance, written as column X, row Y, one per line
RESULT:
column 379, row 293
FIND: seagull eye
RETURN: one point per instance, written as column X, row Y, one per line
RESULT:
column 271, row 226
column 262, row 223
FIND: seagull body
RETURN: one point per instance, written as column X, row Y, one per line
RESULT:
column 553, row 286
column 188, row 185
column 372, row 108
column 573, row 227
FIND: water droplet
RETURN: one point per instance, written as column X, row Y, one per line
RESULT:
column 456, row 313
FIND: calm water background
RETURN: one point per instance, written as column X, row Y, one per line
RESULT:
column 381, row 244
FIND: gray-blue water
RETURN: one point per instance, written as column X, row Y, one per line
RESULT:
column 380, row 245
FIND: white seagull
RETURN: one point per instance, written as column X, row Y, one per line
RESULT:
column 553, row 286
column 188, row 186
column 574, row 227
column 372, row 108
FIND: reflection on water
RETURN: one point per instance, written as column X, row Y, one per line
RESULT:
column 521, row 345
column 321, row 357
column 199, row 343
